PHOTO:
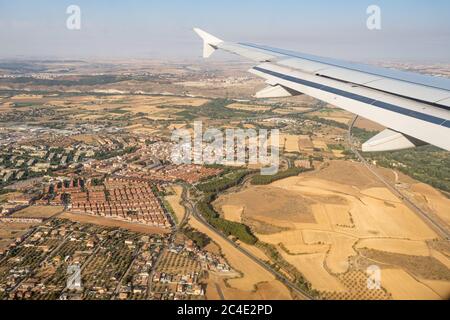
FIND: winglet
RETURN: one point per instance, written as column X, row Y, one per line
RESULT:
column 209, row 42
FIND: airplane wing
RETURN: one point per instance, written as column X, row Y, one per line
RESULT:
column 415, row 108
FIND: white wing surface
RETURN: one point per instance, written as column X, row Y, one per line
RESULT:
column 415, row 108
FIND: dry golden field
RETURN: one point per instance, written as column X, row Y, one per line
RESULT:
column 248, row 107
column 431, row 200
column 175, row 202
column 86, row 138
column 272, row 290
column 409, row 247
column 9, row 232
column 291, row 110
column 99, row 106
column 5, row 107
column 232, row 213
column 320, row 144
column 135, row 227
column 289, row 142
column 402, row 286
column 349, row 212
column 38, row 212
column 267, row 204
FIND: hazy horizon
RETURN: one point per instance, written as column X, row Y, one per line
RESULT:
column 411, row 30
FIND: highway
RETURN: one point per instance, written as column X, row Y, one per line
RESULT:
column 191, row 208
column 433, row 222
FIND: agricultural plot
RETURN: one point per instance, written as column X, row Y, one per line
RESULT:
column 38, row 212
column 175, row 203
column 178, row 263
column 353, row 215
column 10, row 232
column 356, row 284
column 38, row 267
column 22, row 261
column 109, row 264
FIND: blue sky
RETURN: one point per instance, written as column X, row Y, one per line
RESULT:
column 412, row 30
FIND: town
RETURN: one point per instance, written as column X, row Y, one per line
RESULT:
column 115, row 264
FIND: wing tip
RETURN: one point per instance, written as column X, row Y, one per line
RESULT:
column 207, row 38
column 209, row 42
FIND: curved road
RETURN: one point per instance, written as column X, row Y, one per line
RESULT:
column 193, row 209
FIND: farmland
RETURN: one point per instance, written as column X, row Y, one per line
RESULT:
column 352, row 221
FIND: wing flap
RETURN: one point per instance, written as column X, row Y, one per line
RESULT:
column 445, row 102
column 389, row 140
column 406, row 89
column 275, row 91
column 356, row 77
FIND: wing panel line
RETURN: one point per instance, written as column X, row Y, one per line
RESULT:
column 376, row 103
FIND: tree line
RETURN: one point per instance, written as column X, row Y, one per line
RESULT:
column 267, row 179
column 212, row 189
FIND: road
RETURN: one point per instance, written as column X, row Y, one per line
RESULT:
column 119, row 283
column 191, row 208
column 175, row 229
column 219, row 291
column 433, row 222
